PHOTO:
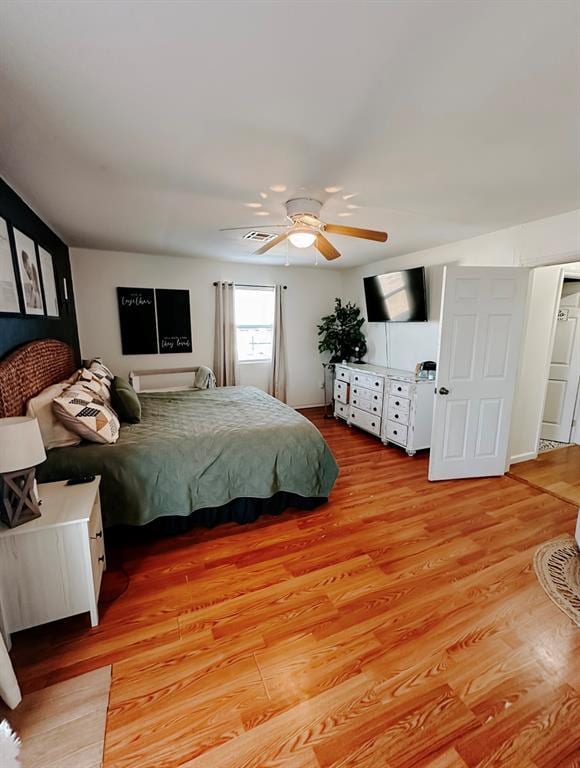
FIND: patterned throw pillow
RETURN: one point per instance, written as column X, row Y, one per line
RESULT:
column 97, row 366
column 85, row 413
column 97, row 382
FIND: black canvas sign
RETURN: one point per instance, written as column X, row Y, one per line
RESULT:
column 173, row 320
column 137, row 320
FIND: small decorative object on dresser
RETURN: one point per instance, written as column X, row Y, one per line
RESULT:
column 394, row 405
column 52, row 567
column 21, row 449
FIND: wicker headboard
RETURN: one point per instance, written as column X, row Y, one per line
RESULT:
column 30, row 369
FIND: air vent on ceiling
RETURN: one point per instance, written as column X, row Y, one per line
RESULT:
column 261, row 237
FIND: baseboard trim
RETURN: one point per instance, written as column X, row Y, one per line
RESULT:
column 303, row 407
column 523, row 457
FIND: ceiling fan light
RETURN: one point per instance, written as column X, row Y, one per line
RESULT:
column 302, row 239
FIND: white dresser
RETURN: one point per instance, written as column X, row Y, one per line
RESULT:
column 392, row 404
column 51, row 567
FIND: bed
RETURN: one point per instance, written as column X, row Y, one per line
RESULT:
column 196, row 456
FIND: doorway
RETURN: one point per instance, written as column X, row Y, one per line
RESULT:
column 560, row 414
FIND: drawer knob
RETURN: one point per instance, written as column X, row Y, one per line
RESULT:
column 102, row 559
column 396, row 415
column 376, row 383
column 397, row 402
column 99, row 535
column 356, row 378
column 399, row 389
column 372, row 423
column 394, row 431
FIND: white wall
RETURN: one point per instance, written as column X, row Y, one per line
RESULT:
column 310, row 295
column 536, row 242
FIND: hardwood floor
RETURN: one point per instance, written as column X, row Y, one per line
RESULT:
column 401, row 625
column 556, row 472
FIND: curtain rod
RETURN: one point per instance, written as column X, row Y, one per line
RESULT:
column 246, row 285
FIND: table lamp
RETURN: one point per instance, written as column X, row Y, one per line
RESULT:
column 21, row 449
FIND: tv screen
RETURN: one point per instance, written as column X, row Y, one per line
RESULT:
column 396, row 297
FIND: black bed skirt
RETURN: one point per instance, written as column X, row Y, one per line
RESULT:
column 239, row 511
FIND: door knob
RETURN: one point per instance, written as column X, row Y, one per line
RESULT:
column 443, row 391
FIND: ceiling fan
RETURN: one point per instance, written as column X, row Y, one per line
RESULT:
column 305, row 228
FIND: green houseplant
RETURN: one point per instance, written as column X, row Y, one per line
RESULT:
column 340, row 333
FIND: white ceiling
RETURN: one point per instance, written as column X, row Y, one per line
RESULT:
column 146, row 126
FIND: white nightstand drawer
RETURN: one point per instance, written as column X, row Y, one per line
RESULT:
column 397, row 433
column 397, row 415
column 365, row 420
column 341, row 391
column 343, row 374
column 340, row 410
column 402, row 388
column 98, row 563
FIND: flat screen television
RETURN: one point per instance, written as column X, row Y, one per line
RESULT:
column 396, row 297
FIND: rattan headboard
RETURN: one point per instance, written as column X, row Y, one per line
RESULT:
column 30, row 369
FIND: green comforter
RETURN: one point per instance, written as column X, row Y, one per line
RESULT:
column 194, row 450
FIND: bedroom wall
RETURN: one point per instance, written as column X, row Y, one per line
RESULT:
column 545, row 241
column 16, row 330
column 310, row 295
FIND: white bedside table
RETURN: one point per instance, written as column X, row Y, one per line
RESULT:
column 52, row 567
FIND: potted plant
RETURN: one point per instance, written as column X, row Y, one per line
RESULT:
column 340, row 333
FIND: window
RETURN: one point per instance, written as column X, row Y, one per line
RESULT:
column 254, row 323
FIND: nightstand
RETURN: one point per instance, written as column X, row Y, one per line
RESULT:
column 52, row 567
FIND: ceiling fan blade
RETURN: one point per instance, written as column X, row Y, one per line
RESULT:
column 309, row 220
column 326, row 248
column 253, row 226
column 365, row 234
column 271, row 244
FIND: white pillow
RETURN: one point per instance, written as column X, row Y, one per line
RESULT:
column 54, row 433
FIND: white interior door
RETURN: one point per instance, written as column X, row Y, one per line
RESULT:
column 564, row 368
column 482, row 316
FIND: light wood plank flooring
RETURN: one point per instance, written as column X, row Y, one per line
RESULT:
column 63, row 726
column 557, row 472
column 401, row 625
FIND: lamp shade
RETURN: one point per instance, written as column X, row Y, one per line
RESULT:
column 21, row 445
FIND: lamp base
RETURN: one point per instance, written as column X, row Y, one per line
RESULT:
column 19, row 504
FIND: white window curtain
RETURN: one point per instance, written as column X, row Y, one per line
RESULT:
column 225, row 354
column 278, row 370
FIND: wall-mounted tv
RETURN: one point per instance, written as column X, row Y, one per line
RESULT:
column 397, row 297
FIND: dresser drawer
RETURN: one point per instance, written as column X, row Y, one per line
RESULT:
column 342, row 374
column 340, row 410
column 397, row 432
column 402, row 388
column 398, row 416
column 400, row 403
column 368, row 381
column 341, row 391
column 365, row 392
column 365, row 420
column 366, row 404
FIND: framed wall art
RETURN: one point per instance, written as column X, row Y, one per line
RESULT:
column 8, row 290
column 29, row 274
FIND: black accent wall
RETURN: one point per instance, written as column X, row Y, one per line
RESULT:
column 16, row 330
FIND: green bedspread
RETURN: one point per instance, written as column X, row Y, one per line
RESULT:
column 194, row 450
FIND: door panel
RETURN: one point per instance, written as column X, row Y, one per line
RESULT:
column 479, row 348
column 564, row 372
